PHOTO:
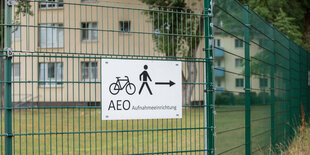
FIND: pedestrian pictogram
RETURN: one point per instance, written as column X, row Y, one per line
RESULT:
column 141, row 89
column 117, row 86
column 145, row 75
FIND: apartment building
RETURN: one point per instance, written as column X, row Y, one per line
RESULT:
column 58, row 50
column 61, row 45
column 229, row 66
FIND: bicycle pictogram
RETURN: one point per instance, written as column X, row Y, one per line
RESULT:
column 117, row 86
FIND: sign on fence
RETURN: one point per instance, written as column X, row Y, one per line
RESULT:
column 141, row 89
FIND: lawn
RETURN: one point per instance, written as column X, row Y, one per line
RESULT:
column 81, row 131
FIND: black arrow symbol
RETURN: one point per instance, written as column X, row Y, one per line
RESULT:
column 170, row 83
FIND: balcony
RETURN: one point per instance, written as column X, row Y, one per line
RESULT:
column 219, row 89
column 218, row 52
column 219, row 71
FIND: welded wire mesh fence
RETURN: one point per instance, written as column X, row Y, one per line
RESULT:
column 56, row 77
column 277, row 81
column 51, row 86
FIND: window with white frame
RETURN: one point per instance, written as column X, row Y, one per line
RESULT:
column 89, row 31
column 15, row 70
column 239, row 82
column 217, row 42
column 238, row 43
column 218, row 62
column 219, row 83
column 238, row 62
column 263, row 82
column 51, row 35
column 51, row 4
column 16, row 33
column 124, row 26
column 51, row 73
column 89, row 71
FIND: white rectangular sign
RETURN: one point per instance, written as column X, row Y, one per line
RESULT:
column 141, row 89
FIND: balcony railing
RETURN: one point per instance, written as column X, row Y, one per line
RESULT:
column 219, row 71
column 219, row 89
column 218, row 52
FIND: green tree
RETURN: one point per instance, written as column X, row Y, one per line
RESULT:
column 171, row 20
column 290, row 17
column 227, row 16
column 286, row 26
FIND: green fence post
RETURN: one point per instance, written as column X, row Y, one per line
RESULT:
column 247, row 87
column 300, row 95
column 306, row 70
column 208, row 35
column 7, row 79
column 291, row 105
column 288, row 106
column 308, row 87
column 272, row 91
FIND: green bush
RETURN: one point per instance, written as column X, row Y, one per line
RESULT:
column 239, row 99
column 228, row 98
column 254, row 98
column 222, row 98
column 263, row 98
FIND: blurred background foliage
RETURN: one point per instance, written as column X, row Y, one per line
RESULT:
column 290, row 17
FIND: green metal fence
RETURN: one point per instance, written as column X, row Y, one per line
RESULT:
column 234, row 63
column 274, row 71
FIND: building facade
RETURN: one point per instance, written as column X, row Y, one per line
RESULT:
column 59, row 50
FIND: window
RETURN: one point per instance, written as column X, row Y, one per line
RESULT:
column 16, row 35
column 263, row 82
column 217, row 43
column 261, row 42
column 219, row 83
column 238, row 43
column 15, row 70
column 52, row 5
column 124, row 26
column 51, row 35
column 218, row 63
column 89, row 71
column 238, row 62
column 239, row 82
column 89, row 32
column 52, row 73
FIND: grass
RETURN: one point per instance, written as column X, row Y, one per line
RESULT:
column 81, row 131
column 300, row 144
column 230, row 128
